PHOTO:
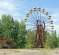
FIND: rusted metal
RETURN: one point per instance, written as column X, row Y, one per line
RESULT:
column 39, row 41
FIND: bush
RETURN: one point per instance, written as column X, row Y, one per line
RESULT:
column 58, row 41
column 0, row 46
column 51, row 41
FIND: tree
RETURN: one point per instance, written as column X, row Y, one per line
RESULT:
column 58, row 41
column 31, row 34
column 51, row 40
column 7, row 26
column 10, row 28
column 54, row 39
column 1, row 29
column 21, row 39
column 16, row 29
column 48, row 40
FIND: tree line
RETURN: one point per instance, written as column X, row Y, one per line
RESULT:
column 10, row 28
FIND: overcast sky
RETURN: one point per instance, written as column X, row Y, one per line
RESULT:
column 18, row 8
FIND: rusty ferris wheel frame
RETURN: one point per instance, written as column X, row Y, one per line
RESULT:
column 38, row 19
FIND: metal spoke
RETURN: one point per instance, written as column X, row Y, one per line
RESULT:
column 31, row 17
column 38, row 15
column 31, row 24
column 35, row 15
column 30, row 20
column 33, row 28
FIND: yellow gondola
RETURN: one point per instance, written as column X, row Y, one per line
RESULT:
column 46, row 13
column 34, row 9
column 27, row 15
column 52, row 28
column 30, row 11
column 51, row 21
column 49, row 17
column 39, row 9
column 43, row 10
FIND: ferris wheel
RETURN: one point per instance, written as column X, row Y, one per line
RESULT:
column 38, row 19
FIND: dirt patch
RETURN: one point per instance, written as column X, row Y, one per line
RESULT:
column 29, row 52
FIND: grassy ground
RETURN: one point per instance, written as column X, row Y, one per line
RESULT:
column 29, row 51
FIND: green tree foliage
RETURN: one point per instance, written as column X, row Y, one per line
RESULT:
column 10, row 28
column 54, row 38
column 51, row 40
column 7, row 26
column 21, row 41
column 58, row 41
column 1, row 29
column 48, row 40
column 16, row 29
column 31, row 34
